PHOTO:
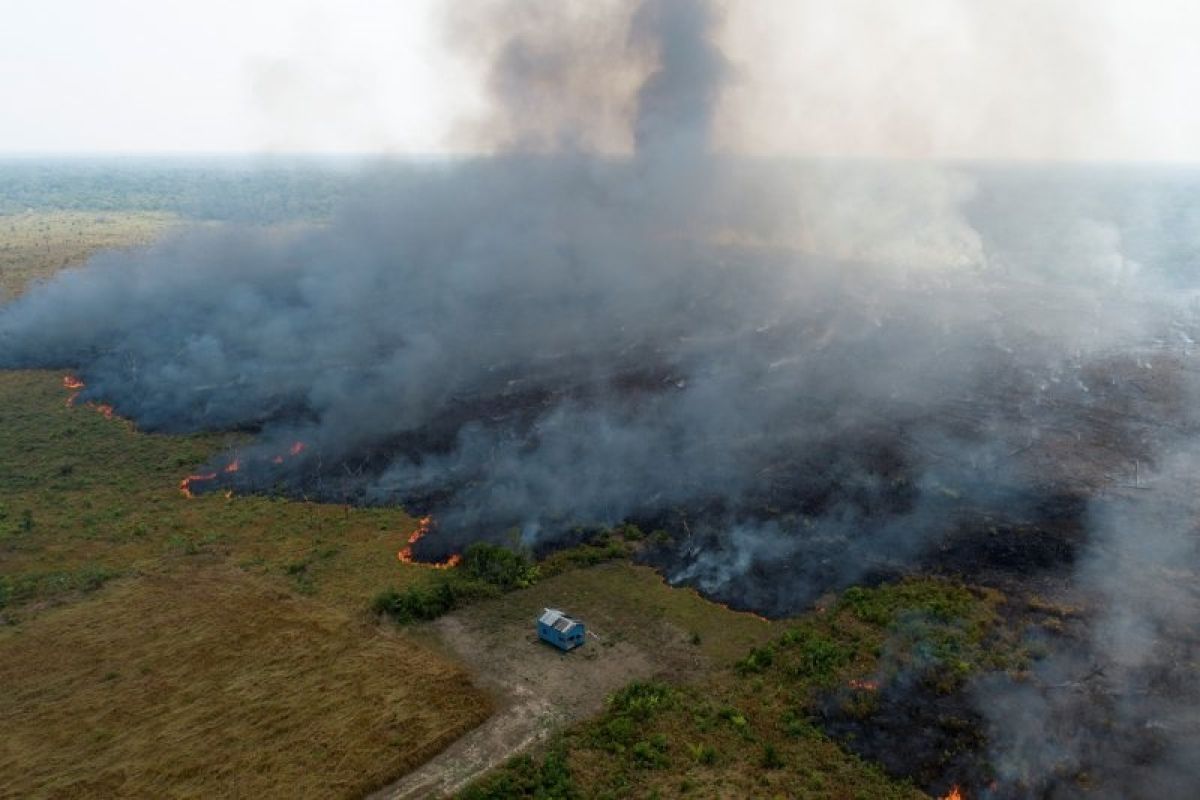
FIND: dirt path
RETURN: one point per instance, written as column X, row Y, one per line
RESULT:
column 539, row 689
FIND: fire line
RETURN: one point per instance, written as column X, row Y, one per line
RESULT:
column 424, row 524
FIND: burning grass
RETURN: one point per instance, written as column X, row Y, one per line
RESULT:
column 82, row 494
column 212, row 682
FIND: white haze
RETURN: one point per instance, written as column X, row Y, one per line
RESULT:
column 1005, row 79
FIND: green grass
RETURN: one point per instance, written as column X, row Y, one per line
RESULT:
column 749, row 730
column 79, row 492
column 152, row 645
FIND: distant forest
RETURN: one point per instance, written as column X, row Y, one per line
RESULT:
column 204, row 189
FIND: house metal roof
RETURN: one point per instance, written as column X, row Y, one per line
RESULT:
column 557, row 620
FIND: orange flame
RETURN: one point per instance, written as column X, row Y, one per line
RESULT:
column 423, row 525
column 296, row 449
column 73, row 385
column 866, row 686
column 955, row 793
column 233, row 466
column 406, row 555
column 185, row 485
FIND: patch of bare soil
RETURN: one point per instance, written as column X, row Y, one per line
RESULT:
column 538, row 689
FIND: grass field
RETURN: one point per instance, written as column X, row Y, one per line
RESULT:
column 160, row 646
column 748, row 729
column 34, row 245
column 209, row 682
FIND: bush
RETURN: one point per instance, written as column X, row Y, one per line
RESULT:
column 631, row 533
column 758, row 660
column 524, row 777
column 735, row 718
column 423, row 603
column 703, row 753
column 581, row 556
column 641, row 700
column 771, row 758
column 651, row 754
column 936, row 599
column 499, row 566
column 614, row 735
column 819, row 657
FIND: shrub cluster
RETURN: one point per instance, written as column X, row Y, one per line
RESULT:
column 486, row 571
column 524, row 776
column 499, row 566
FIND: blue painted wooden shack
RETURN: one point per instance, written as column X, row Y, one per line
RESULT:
column 560, row 630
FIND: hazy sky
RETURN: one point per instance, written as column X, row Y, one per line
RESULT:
column 1094, row 79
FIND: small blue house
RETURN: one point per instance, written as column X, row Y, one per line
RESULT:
column 560, row 630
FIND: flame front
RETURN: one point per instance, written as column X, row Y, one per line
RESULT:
column 74, row 385
column 866, row 686
column 185, row 485
column 423, row 525
column 955, row 793
column 406, row 555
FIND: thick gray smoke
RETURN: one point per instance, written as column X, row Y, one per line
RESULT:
column 547, row 338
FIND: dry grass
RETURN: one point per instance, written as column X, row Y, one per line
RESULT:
column 35, row 245
column 163, row 647
column 215, row 683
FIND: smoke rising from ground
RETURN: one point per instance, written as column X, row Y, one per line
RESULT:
column 1117, row 701
column 547, row 338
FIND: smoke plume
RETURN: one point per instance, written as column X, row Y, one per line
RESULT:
column 804, row 373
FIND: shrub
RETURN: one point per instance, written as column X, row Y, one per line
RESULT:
column 771, row 758
column 631, row 533
column 703, row 753
column 524, row 777
column 651, row 754
column 499, row 566
column 642, row 699
column 819, row 657
column 735, row 718
column 423, row 603
column 758, row 660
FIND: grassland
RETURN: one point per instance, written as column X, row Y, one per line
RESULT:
column 35, row 245
column 154, row 645
column 208, row 682
column 751, row 729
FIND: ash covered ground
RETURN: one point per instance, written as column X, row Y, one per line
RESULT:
column 806, row 374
